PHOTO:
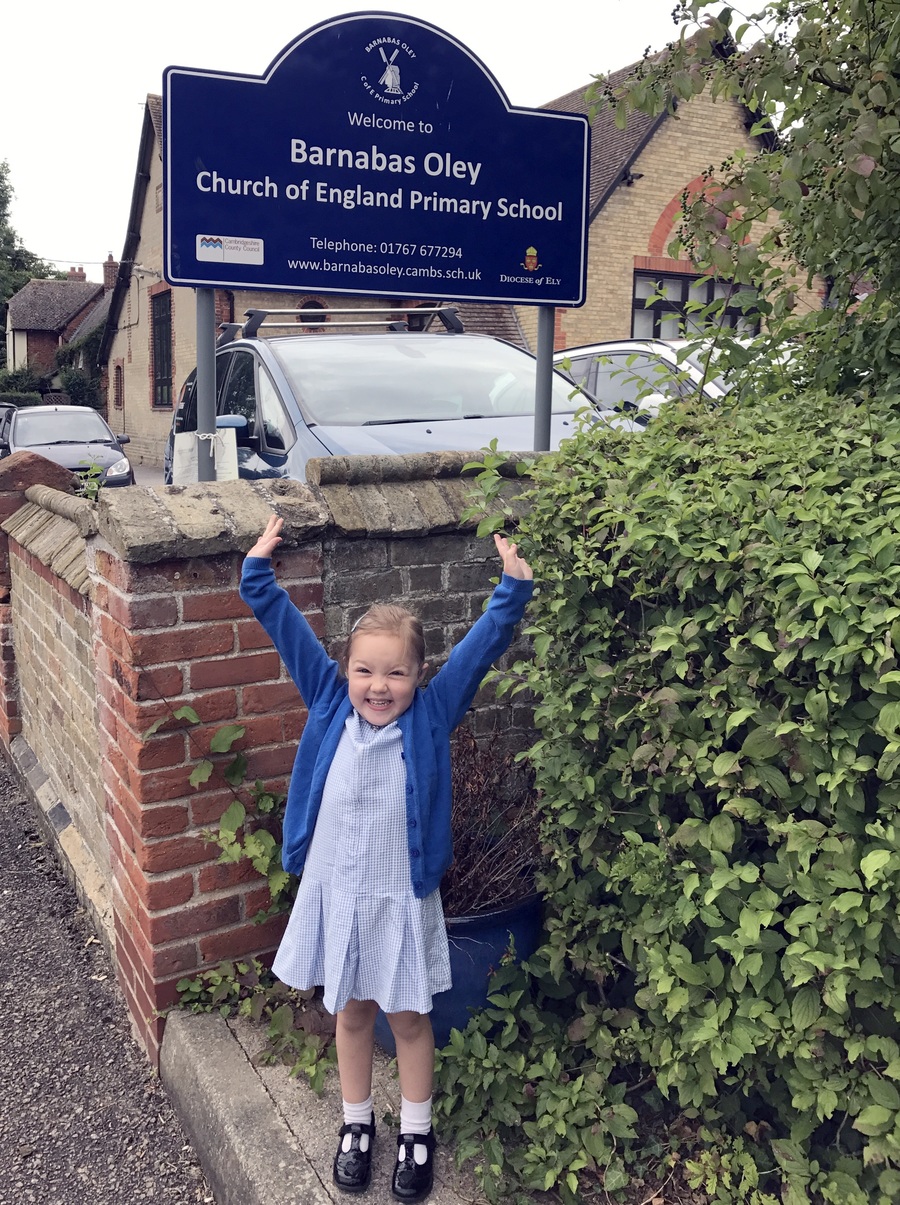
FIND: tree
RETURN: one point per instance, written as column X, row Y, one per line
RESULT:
column 820, row 205
column 17, row 265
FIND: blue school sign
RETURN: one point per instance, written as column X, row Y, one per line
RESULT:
column 376, row 155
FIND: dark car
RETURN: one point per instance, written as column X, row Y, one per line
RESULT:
column 74, row 436
column 294, row 397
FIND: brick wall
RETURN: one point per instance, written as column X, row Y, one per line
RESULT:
column 160, row 625
column 640, row 220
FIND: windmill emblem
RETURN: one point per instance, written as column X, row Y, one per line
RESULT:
column 390, row 79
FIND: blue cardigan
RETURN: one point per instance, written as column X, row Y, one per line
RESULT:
column 426, row 725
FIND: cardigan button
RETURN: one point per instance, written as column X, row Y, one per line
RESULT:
column 411, row 823
column 413, row 853
column 417, row 885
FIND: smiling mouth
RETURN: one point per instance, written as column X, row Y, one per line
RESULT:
column 379, row 703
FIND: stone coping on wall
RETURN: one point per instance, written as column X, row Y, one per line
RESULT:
column 356, row 496
column 52, row 538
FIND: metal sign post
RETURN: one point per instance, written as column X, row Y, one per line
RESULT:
column 544, row 378
column 206, row 384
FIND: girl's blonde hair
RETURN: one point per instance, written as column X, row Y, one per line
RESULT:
column 396, row 621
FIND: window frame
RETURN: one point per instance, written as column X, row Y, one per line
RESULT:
column 663, row 308
column 161, row 350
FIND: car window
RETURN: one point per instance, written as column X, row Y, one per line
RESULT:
column 278, row 432
column 238, row 395
column 59, row 426
column 583, row 371
column 360, row 379
column 623, row 378
column 186, row 410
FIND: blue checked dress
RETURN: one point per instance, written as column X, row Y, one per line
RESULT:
column 356, row 927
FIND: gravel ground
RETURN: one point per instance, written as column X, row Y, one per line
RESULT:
column 83, row 1118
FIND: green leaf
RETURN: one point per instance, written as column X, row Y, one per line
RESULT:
column 761, row 744
column 872, row 863
column 806, row 1007
column 725, row 763
column 873, row 1120
column 201, row 773
column 722, row 832
column 225, row 737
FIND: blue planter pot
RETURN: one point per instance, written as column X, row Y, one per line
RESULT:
column 477, row 944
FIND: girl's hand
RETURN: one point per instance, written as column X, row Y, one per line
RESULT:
column 513, row 564
column 269, row 540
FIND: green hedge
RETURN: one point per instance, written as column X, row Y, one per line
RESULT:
column 17, row 398
column 718, row 698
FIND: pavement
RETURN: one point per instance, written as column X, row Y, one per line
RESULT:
column 87, row 1120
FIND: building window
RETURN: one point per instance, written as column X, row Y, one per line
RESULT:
column 161, row 325
column 665, row 307
column 314, row 313
column 119, row 387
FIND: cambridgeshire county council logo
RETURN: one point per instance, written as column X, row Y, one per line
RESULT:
column 389, row 78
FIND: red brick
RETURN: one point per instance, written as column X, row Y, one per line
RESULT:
column 207, row 809
column 213, row 604
column 22, row 469
column 251, row 636
column 199, row 918
column 266, row 763
column 246, row 940
column 258, row 730
column 164, row 682
column 235, row 671
column 173, row 853
column 256, row 901
column 116, row 637
column 167, row 991
column 157, row 894
column 159, row 611
column 300, row 562
column 155, row 752
column 207, row 640
column 160, row 786
column 269, row 696
column 173, row 960
column 223, row 875
column 107, row 718
column 307, row 596
column 294, row 723
column 165, row 821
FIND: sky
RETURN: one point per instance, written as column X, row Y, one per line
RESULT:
column 75, row 78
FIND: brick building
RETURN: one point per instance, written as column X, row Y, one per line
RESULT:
column 46, row 314
column 637, row 179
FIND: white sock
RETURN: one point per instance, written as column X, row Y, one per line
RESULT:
column 415, row 1118
column 360, row 1114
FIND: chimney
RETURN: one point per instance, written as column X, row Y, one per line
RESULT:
column 110, row 273
column 77, row 273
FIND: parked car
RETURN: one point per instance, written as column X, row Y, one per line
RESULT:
column 74, row 436
column 303, row 395
column 640, row 374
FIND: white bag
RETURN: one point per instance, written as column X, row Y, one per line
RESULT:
column 184, row 456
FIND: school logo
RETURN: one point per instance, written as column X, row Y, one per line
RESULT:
column 389, row 79
column 530, row 263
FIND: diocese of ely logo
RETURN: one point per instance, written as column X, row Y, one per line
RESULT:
column 392, row 59
column 530, row 263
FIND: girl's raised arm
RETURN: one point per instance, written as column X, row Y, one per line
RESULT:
column 513, row 564
column 269, row 540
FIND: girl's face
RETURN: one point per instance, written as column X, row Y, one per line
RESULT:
column 382, row 676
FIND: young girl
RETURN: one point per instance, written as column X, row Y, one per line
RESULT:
column 368, row 824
